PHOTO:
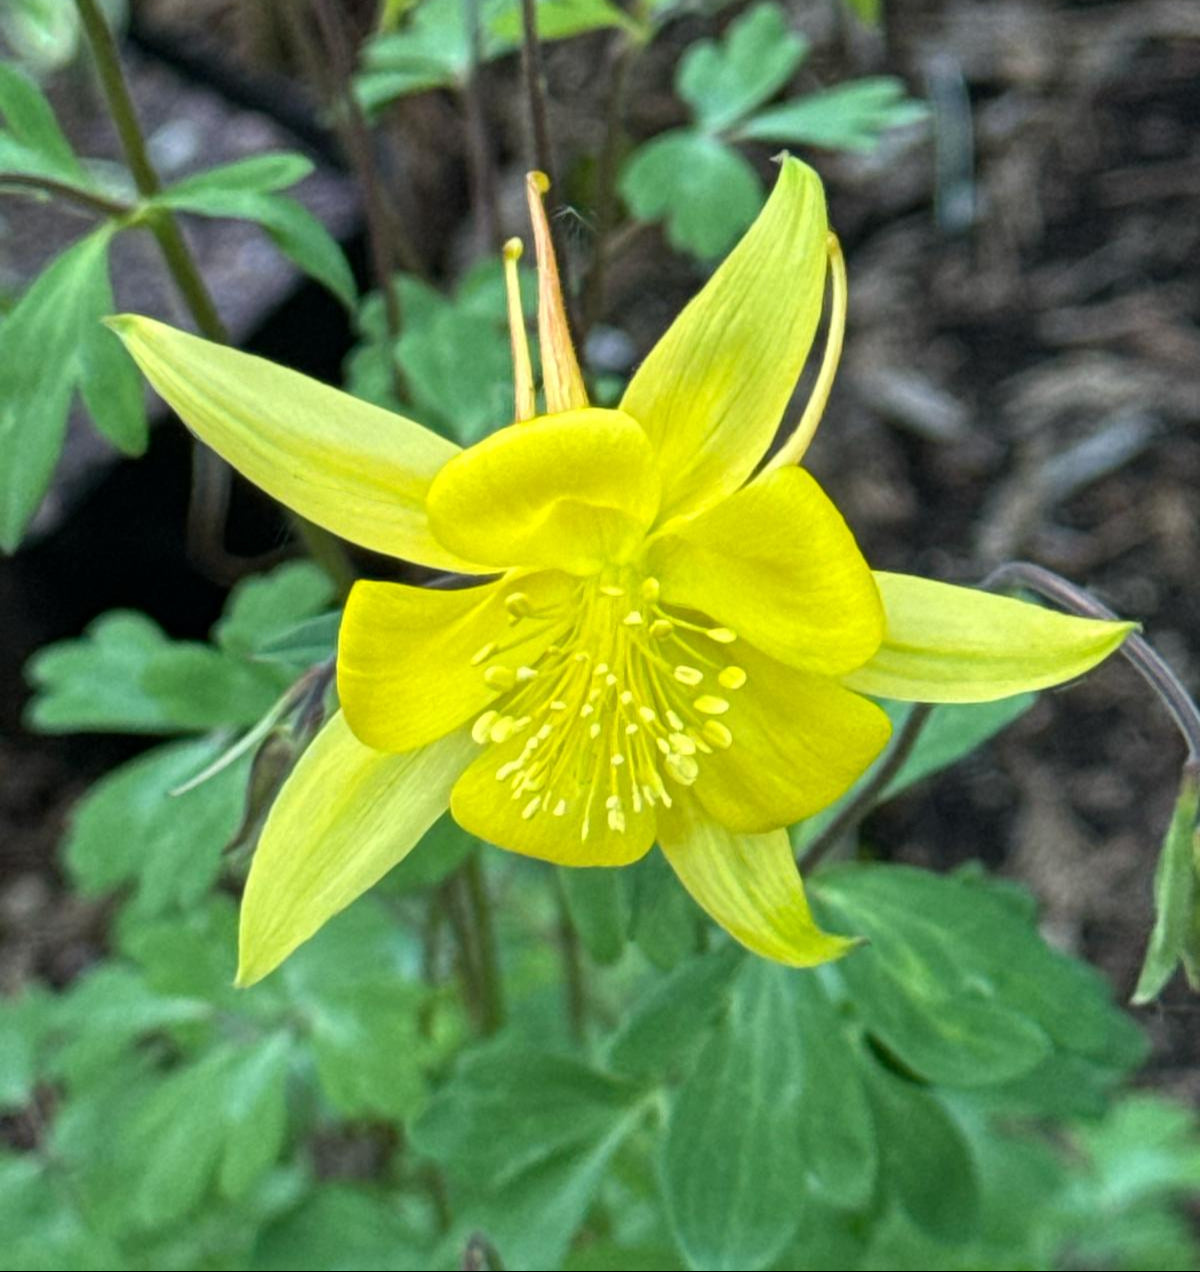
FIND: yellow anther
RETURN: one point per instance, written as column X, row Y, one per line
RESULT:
column 560, row 808
column 616, row 820
column 688, row 675
column 717, row 734
column 525, row 675
column 674, row 721
column 534, row 804
column 594, row 730
column 650, row 590
column 617, row 759
column 682, row 768
column 732, row 677
column 710, row 705
column 499, row 678
column 611, row 589
column 482, row 728
column 626, row 698
column 630, row 730
column 558, row 705
column 647, row 714
column 600, row 669
column 483, row 654
column 663, row 745
column 586, row 710
column 610, row 680
column 661, row 628
column 502, row 729
column 722, row 635
column 682, row 743
column 518, row 604
column 633, row 619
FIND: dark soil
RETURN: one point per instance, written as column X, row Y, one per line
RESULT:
column 1021, row 380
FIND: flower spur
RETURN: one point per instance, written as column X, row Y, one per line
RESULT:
column 680, row 640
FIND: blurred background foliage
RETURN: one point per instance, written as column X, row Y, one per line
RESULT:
column 633, row 1092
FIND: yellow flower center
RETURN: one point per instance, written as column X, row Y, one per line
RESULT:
column 625, row 702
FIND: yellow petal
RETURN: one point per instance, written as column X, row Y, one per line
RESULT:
column 712, row 392
column 956, row 644
column 776, row 563
column 573, row 829
column 415, row 663
column 572, row 491
column 344, row 818
column 796, row 742
column 750, row 885
column 353, row 468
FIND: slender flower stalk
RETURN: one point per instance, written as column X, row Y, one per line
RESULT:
column 664, row 642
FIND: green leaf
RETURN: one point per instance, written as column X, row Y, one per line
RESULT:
column 256, row 1114
column 849, row 117
column 177, row 1137
column 24, row 1021
column 40, row 364
column 705, row 192
column 433, row 50
column 310, row 641
column 951, row 732
column 732, row 1162
column 294, row 230
column 341, row 1226
column 131, row 830
column 259, row 174
column 561, row 19
column 439, row 854
column 664, row 1027
column 1176, row 934
column 833, row 1122
column 958, row 983
column 354, row 986
column 663, row 919
column 525, row 1137
column 953, row 1039
column 111, row 385
column 598, row 908
column 29, row 119
column 264, row 608
column 723, row 82
column 104, row 1013
column 124, row 674
column 925, row 1162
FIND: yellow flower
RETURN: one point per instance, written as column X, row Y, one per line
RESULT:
column 678, row 642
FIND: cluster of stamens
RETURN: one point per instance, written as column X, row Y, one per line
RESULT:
column 624, row 703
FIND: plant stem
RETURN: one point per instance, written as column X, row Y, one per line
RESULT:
column 211, row 476
column 606, row 179
column 383, row 238
column 162, row 225
column 491, row 991
column 543, row 149
column 480, row 170
column 1148, row 662
column 89, row 199
column 852, row 815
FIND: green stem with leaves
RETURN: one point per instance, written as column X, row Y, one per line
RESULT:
column 210, row 475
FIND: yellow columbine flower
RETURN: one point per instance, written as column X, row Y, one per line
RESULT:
column 679, row 637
